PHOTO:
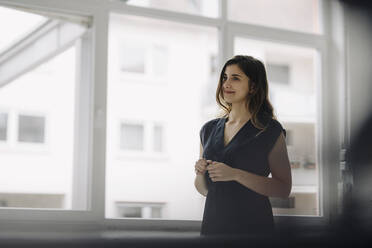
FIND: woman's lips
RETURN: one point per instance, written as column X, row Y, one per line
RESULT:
column 229, row 92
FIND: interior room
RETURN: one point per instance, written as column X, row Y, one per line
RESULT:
column 102, row 104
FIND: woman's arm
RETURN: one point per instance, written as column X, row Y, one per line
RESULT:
column 279, row 185
column 199, row 182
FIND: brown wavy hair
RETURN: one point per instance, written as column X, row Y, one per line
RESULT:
column 257, row 102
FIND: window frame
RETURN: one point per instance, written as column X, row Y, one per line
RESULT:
column 96, row 85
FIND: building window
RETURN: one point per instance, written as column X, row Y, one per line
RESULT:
column 158, row 138
column 132, row 57
column 213, row 64
column 139, row 210
column 24, row 200
column 277, row 73
column 159, row 59
column 143, row 58
column 132, row 137
column 3, row 126
column 31, row 129
column 146, row 137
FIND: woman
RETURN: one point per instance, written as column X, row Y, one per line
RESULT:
column 238, row 152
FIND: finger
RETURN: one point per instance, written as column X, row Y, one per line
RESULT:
column 209, row 161
column 201, row 160
column 214, row 175
column 204, row 163
column 211, row 168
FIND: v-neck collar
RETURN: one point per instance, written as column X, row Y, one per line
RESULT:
column 224, row 120
column 244, row 135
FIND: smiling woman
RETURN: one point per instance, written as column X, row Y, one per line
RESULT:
column 239, row 151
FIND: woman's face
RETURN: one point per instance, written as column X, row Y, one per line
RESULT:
column 235, row 85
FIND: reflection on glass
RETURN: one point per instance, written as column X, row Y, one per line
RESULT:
column 197, row 7
column 298, row 15
column 292, row 80
column 167, row 101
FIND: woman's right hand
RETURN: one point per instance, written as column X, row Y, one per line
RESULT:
column 201, row 166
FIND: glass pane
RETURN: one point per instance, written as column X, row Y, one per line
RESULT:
column 48, row 90
column 294, row 105
column 31, row 129
column 170, row 119
column 207, row 8
column 297, row 15
column 39, row 151
column 21, row 24
column 131, row 137
column 3, row 126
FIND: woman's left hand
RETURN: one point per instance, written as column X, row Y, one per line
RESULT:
column 221, row 172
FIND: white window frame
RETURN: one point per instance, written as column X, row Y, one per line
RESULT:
column 90, row 124
column 94, row 138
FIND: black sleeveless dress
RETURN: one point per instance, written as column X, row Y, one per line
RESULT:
column 230, row 207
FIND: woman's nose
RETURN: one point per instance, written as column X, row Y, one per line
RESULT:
column 226, row 84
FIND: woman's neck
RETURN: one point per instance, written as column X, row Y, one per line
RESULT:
column 239, row 114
